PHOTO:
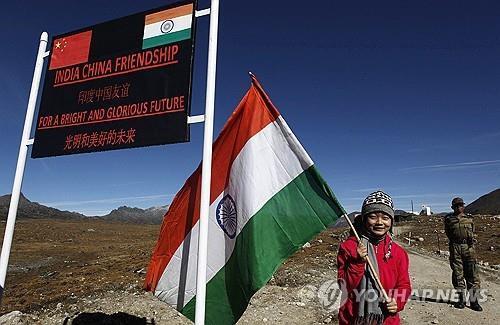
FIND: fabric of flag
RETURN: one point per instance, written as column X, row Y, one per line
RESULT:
column 267, row 200
column 70, row 50
column 168, row 26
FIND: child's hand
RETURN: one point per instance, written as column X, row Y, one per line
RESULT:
column 362, row 251
column 392, row 306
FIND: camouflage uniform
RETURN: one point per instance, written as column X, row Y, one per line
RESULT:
column 460, row 232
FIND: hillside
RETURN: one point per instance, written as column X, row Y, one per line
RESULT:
column 151, row 216
column 32, row 210
column 486, row 204
column 342, row 222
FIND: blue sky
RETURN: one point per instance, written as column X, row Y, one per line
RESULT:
column 402, row 96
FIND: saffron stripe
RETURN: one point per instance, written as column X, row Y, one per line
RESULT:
column 169, row 14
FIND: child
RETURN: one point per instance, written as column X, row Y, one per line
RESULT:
column 365, row 303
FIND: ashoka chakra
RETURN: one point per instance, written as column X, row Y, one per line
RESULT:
column 167, row 26
column 226, row 216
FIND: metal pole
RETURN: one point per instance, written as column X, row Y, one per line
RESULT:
column 206, row 172
column 21, row 162
column 439, row 244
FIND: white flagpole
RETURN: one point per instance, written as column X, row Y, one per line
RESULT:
column 21, row 161
column 206, row 172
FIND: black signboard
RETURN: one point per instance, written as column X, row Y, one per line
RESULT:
column 121, row 84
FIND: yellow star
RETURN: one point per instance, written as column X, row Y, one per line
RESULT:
column 58, row 45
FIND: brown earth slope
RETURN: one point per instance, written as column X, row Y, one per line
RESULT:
column 431, row 230
column 486, row 204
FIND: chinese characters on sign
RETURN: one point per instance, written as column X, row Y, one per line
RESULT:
column 121, row 84
column 103, row 94
column 101, row 139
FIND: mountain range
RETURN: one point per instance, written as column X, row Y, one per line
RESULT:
column 487, row 204
column 33, row 210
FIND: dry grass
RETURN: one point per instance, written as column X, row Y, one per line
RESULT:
column 53, row 261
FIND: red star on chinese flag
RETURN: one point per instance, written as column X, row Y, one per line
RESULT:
column 70, row 50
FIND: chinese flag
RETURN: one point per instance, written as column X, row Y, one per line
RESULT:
column 70, row 50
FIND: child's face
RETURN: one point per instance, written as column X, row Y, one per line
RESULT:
column 378, row 223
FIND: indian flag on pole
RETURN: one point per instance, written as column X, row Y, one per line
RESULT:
column 168, row 26
column 267, row 200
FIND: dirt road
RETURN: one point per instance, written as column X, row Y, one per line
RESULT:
column 432, row 273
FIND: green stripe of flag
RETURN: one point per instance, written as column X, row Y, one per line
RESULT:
column 166, row 38
column 287, row 221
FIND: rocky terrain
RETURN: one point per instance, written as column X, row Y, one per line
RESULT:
column 426, row 234
column 91, row 272
column 486, row 204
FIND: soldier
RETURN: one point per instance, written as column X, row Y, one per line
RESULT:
column 459, row 228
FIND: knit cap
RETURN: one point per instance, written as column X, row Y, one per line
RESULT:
column 378, row 202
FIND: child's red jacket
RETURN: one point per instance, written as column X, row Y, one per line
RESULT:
column 393, row 273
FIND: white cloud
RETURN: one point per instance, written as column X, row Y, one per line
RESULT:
column 461, row 165
column 108, row 200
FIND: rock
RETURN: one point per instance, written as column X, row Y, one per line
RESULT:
column 14, row 318
column 420, row 239
column 492, row 248
column 444, row 253
column 436, row 321
column 49, row 274
column 91, row 230
column 140, row 271
column 307, row 293
column 486, row 264
column 264, row 320
column 300, row 304
column 306, row 245
column 320, row 241
column 327, row 320
column 496, row 267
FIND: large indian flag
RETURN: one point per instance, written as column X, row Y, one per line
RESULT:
column 267, row 200
column 167, row 26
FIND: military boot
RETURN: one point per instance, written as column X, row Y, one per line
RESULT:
column 460, row 304
column 474, row 304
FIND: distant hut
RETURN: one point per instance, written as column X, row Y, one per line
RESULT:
column 426, row 210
